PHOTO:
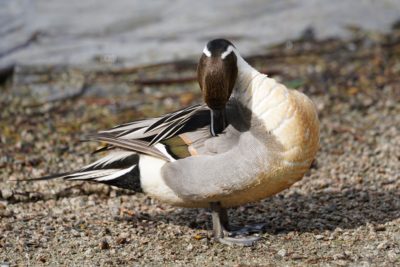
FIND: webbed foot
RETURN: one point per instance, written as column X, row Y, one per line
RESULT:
column 228, row 235
column 241, row 241
column 246, row 230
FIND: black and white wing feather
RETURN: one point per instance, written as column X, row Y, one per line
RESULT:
column 143, row 136
column 126, row 142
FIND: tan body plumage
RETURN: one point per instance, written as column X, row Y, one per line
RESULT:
column 286, row 124
column 291, row 120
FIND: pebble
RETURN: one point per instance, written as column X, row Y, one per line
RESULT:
column 104, row 244
column 6, row 193
column 281, row 253
column 339, row 256
column 8, row 227
column 380, row 228
column 393, row 256
column 75, row 233
column 383, row 245
column 341, row 263
column 6, row 213
column 42, row 258
column 88, row 252
column 189, row 247
column 121, row 240
column 296, row 257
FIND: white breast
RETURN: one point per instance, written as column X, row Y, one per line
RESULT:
column 152, row 182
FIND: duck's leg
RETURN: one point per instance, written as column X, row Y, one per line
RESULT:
column 221, row 228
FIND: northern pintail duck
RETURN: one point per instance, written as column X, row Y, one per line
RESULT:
column 251, row 139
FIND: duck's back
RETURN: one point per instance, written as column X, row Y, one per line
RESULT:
column 291, row 118
column 263, row 157
column 291, row 121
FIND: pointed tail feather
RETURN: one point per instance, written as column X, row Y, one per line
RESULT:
column 45, row 178
column 127, row 178
column 119, row 168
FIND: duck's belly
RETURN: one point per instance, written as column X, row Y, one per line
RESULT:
column 262, row 186
column 266, row 185
column 267, row 188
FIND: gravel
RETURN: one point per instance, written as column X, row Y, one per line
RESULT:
column 345, row 212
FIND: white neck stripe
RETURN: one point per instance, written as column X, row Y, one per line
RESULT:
column 206, row 52
column 212, row 123
column 227, row 52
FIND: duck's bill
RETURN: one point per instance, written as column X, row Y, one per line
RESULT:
column 218, row 121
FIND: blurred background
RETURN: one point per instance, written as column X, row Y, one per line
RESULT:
column 134, row 32
column 69, row 68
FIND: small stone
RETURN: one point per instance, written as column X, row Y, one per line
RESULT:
column 121, row 240
column 75, row 233
column 88, row 252
column 380, row 228
column 393, row 256
column 319, row 237
column 296, row 257
column 41, row 258
column 104, row 244
column 339, row 256
column 282, row 253
column 6, row 193
column 106, row 231
column 6, row 213
column 189, row 247
column 124, row 235
column 341, row 263
column 8, row 227
column 48, row 229
column 382, row 245
column 199, row 237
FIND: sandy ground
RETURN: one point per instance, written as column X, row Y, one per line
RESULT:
column 345, row 212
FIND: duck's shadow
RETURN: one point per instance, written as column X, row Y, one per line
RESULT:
column 315, row 212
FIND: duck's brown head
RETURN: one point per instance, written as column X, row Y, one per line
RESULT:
column 216, row 73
